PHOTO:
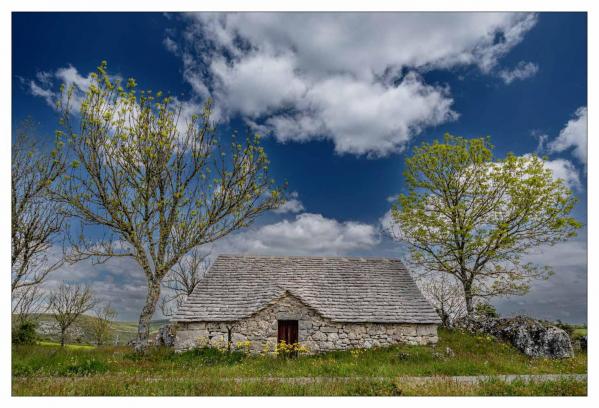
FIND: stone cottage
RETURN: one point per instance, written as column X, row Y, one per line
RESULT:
column 323, row 303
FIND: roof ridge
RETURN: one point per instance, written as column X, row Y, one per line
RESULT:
column 349, row 258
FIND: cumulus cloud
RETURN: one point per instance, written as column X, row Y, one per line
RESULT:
column 292, row 205
column 565, row 170
column 307, row 234
column 350, row 78
column 573, row 136
column 522, row 70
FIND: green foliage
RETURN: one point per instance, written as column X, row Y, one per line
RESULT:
column 24, row 332
column 471, row 215
column 484, row 309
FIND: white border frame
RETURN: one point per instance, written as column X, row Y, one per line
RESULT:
column 8, row 6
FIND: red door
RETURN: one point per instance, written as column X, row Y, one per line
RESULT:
column 287, row 331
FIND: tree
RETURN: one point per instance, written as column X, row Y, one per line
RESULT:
column 182, row 279
column 445, row 295
column 474, row 217
column 27, row 303
column 160, row 188
column 102, row 324
column 36, row 219
column 68, row 302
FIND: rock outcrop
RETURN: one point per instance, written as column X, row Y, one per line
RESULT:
column 530, row 336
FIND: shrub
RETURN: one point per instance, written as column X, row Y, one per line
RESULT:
column 485, row 310
column 289, row 350
column 244, row 346
column 85, row 367
column 211, row 356
column 24, row 333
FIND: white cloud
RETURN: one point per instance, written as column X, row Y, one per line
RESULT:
column 522, row 70
column 339, row 75
column 171, row 45
column 565, row 170
column 45, row 78
column 257, row 83
column 48, row 95
column 389, row 225
column 368, row 43
column 292, row 205
column 363, row 117
column 573, row 135
column 542, row 139
column 69, row 76
column 308, row 234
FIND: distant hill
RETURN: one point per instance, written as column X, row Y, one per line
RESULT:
column 79, row 332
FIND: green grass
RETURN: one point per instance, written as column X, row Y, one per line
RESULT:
column 69, row 346
column 118, row 371
column 106, row 385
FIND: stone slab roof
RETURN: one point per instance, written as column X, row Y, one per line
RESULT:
column 341, row 289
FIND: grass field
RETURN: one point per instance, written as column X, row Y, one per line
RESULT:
column 124, row 331
column 49, row 370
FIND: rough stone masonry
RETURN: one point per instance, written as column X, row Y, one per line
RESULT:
column 316, row 333
column 338, row 304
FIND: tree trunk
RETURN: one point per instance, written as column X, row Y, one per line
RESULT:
column 469, row 299
column 62, row 336
column 143, row 329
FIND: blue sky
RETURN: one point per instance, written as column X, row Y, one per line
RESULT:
column 342, row 99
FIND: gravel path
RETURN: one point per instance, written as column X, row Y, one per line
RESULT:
column 474, row 379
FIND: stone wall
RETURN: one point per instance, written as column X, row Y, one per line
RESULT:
column 316, row 333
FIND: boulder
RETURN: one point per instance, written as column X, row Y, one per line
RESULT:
column 165, row 336
column 531, row 337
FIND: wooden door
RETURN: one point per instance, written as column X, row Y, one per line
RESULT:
column 287, row 331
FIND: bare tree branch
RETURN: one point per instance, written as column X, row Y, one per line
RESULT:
column 36, row 219
column 102, row 324
column 182, row 279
